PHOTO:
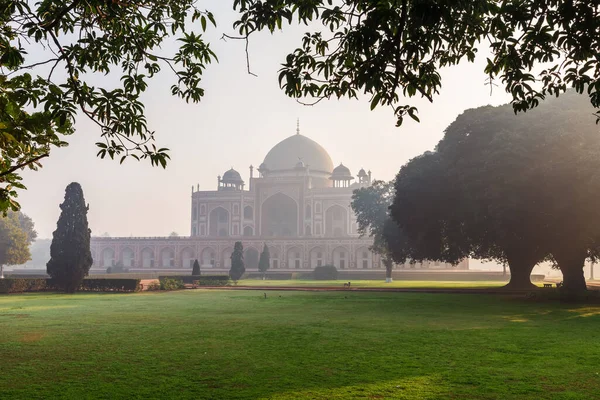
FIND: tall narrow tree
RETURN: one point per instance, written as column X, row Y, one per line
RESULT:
column 265, row 260
column 196, row 268
column 70, row 255
column 237, row 262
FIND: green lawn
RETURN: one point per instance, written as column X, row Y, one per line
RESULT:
column 373, row 283
column 319, row 345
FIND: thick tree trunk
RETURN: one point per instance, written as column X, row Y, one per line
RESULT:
column 520, row 275
column 571, row 264
column 388, row 269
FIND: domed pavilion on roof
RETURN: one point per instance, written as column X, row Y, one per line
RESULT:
column 298, row 204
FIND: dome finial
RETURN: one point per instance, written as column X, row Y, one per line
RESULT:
column 297, row 126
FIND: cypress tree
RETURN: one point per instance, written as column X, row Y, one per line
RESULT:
column 196, row 268
column 70, row 255
column 237, row 262
column 263, row 263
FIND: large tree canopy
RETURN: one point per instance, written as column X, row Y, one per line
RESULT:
column 391, row 49
column 516, row 189
column 49, row 49
column 388, row 50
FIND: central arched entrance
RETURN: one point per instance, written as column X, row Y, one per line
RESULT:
column 279, row 216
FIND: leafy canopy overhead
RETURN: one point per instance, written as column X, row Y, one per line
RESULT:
column 48, row 52
column 388, row 49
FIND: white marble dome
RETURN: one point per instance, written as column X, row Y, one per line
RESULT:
column 298, row 148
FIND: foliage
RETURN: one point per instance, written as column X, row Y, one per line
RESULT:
column 49, row 52
column 325, row 272
column 506, row 188
column 265, row 260
column 117, row 268
column 105, row 285
column 371, row 205
column 153, row 287
column 168, row 283
column 196, row 268
column 70, row 255
column 14, row 244
column 391, row 50
column 87, row 285
column 213, row 280
column 28, row 227
column 20, row 285
column 237, row 262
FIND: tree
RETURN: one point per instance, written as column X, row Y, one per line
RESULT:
column 237, row 262
column 14, row 243
column 28, row 226
column 388, row 50
column 50, row 48
column 70, row 255
column 391, row 49
column 196, row 268
column 371, row 206
column 512, row 189
column 264, row 261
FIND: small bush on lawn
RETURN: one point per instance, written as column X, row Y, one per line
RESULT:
column 171, row 284
column 154, row 286
column 325, row 273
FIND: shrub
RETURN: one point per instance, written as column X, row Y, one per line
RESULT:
column 196, row 268
column 21, row 285
column 87, row 285
column 325, row 272
column 109, row 270
column 171, row 284
column 154, row 286
column 214, row 280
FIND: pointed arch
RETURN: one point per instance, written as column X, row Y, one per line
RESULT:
column 341, row 257
column 364, row 258
column 208, row 257
column 336, row 221
column 147, row 257
column 187, row 257
column 218, row 222
column 128, row 257
column 108, row 257
column 317, row 257
column 279, row 216
column 294, row 258
column 167, row 257
column 251, row 257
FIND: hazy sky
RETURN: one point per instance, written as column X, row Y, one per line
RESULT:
column 240, row 118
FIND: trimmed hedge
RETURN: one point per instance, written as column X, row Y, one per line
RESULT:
column 203, row 280
column 325, row 273
column 88, row 285
column 110, row 285
column 20, row 285
column 213, row 280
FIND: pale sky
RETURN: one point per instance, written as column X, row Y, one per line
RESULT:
column 239, row 120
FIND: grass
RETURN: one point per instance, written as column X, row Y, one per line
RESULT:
column 199, row 344
column 373, row 283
